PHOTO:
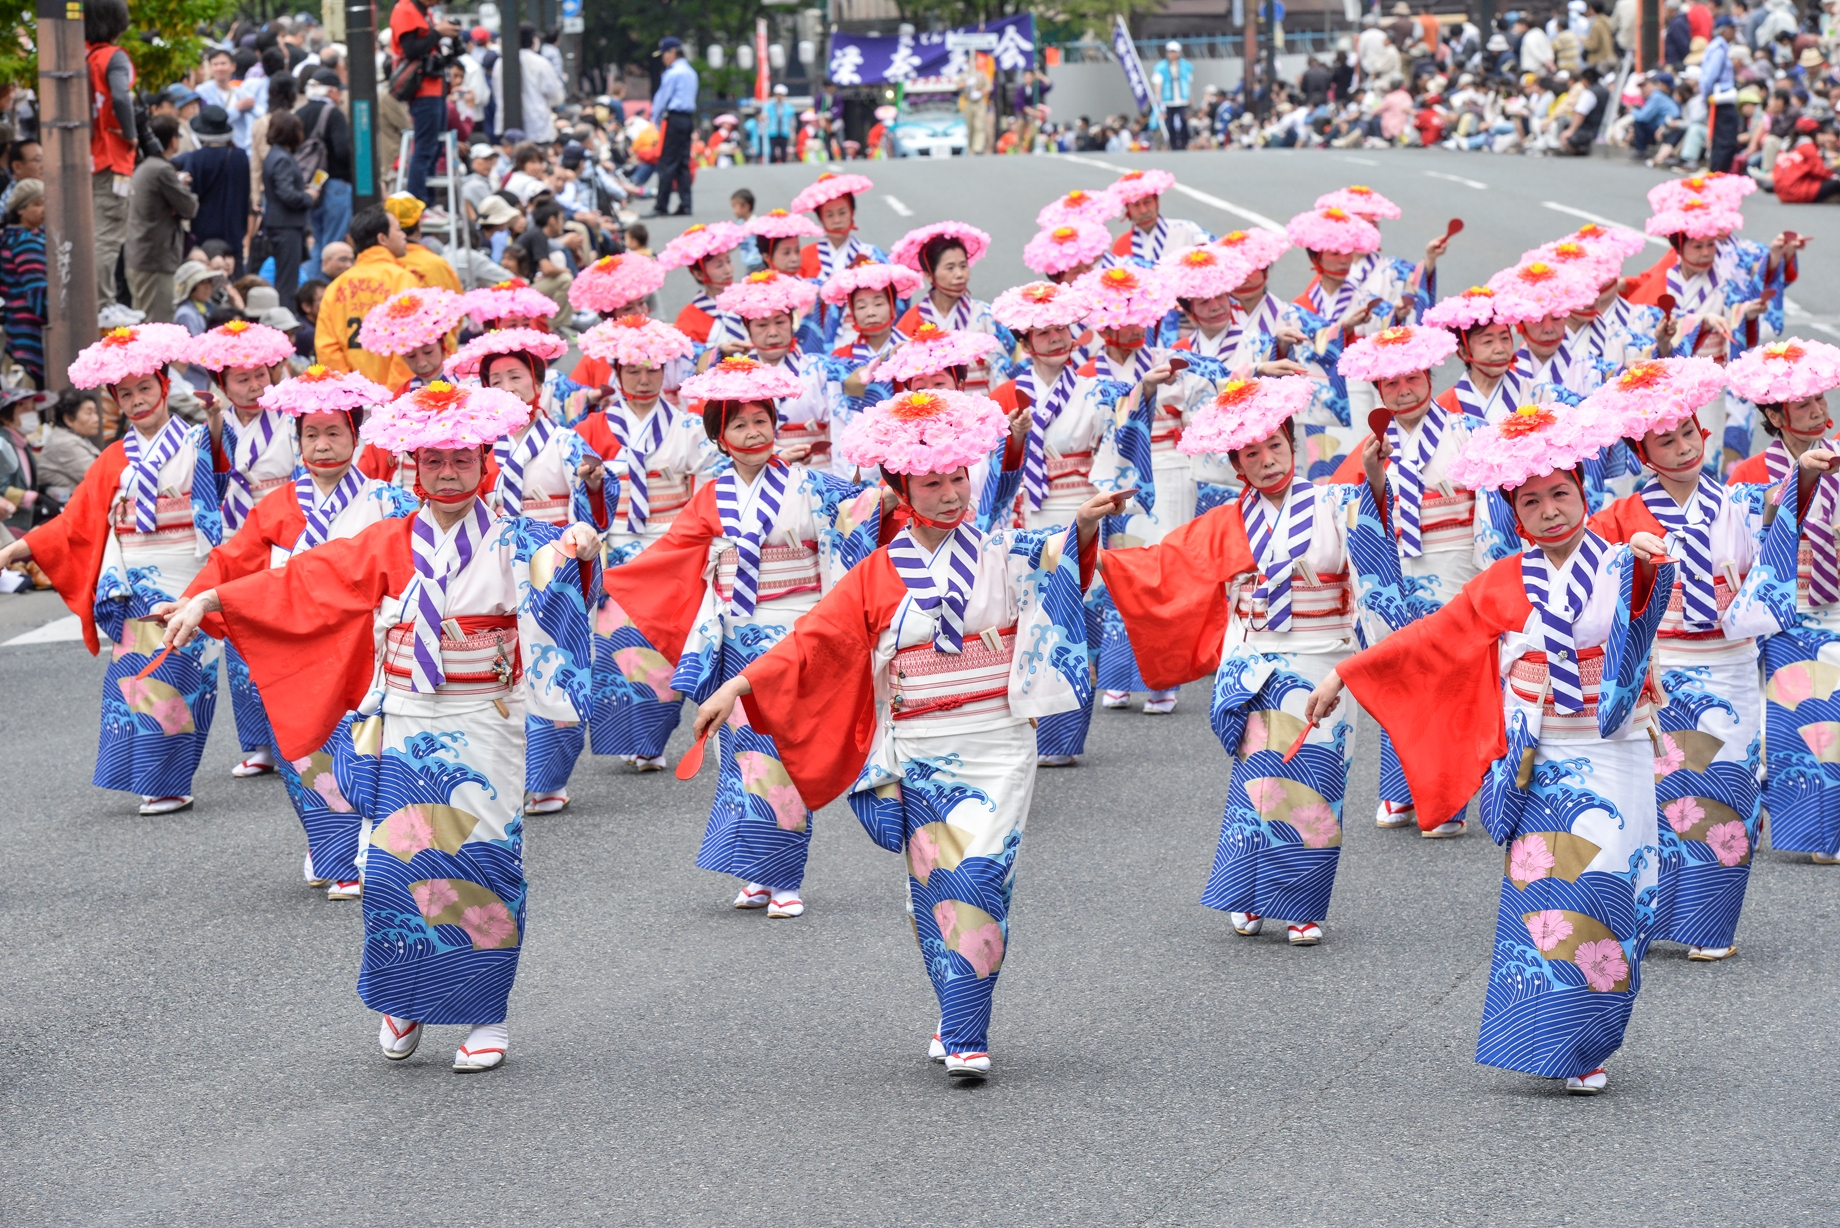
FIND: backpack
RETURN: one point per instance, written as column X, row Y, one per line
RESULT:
column 312, row 157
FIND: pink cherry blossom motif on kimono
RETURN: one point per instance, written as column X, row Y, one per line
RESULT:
column 1068, row 245
column 765, row 777
column 1593, row 265
column 444, row 415
column 972, row 932
column 1204, row 272
column 1531, row 442
column 700, row 242
column 321, row 390
column 742, row 379
column 616, row 281
column 1683, row 814
column 870, row 275
column 1788, row 370
column 1730, row 843
column 1603, row 963
column 908, row 248
column 1529, row 860
column 646, row 667
column 434, row 897
column 1727, row 191
column 1245, row 412
column 412, row 319
column 1125, row 295
column 782, row 224
column 1548, row 928
column 489, row 925
column 1538, row 289
column 1669, row 757
column 464, row 363
column 1696, row 219
column 127, row 353
column 1333, row 230
column 1360, row 200
column 1658, row 394
column 1039, row 304
column 514, row 299
column 1399, row 350
column 1478, row 307
column 1316, row 824
column 1079, row 205
column 829, row 187
column 767, row 293
column 933, row 431
column 1259, row 247
column 635, row 341
column 410, row 832
column 240, row 343
column 933, row 349
column 1133, row 186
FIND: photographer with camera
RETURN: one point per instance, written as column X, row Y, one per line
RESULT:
column 419, row 79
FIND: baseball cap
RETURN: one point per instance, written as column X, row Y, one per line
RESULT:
column 668, row 43
column 481, row 35
column 495, row 210
column 1807, row 123
column 405, row 208
column 179, row 95
column 481, row 151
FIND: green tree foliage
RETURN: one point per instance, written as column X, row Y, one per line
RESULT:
column 18, row 51
column 165, row 41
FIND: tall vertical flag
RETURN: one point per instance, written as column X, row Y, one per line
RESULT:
column 763, row 77
column 1126, row 50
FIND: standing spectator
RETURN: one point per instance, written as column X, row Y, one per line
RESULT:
column 22, row 277
column 974, row 105
column 161, row 205
column 779, row 122
column 112, row 137
column 279, row 96
column 1172, row 78
column 1316, row 83
column 1600, row 40
column 237, row 99
column 674, row 108
column 1375, row 50
column 1677, row 44
column 286, row 203
column 543, row 91
column 1536, row 48
column 72, row 444
column 1623, row 24
column 220, row 179
column 323, row 121
column 1719, row 88
column 415, row 40
column 377, row 275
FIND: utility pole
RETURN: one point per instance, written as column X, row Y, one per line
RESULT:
column 361, row 49
column 573, row 25
column 70, row 220
column 511, row 105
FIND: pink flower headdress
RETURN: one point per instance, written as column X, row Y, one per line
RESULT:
column 321, row 390
column 781, row 224
column 1723, row 190
column 828, row 188
column 700, row 242
column 444, row 415
column 1079, row 205
column 742, row 379
column 613, row 282
column 1696, row 219
column 870, row 275
column 1204, row 272
column 1333, row 230
column 1788, row 370
column 1396, row 351
column 1135, row 185
column 635, row 341
column 125, row 353
column 907, row 250
column 412, row 319
column 1360, row 200
column 765, row 293
column 1039, row 304
column 1067, row 246
column 514, row 299
column 1122, row 296
column 239, row 343
column 1538, row 289
column 1594, row 265
column 1616, row 242
column 935, row 431
column 466, row 362
column 1479, row 306
column 1657, row 395
column 933, row 349
column 1245, row 412
column 1259, row 247
column 1531, row 442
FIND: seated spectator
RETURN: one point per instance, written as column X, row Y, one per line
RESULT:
column 1804, row 174
column 193, row 286
column 306, row 302
column 18, row 468
column 72, row 444
column 1658, row 109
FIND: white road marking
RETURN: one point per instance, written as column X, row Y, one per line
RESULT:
column 1599, row 218
column 1468, row 183
column 67, row 628
column 894, row 202
column 1225, row 206
column 1795, row 311
column 1361, row 161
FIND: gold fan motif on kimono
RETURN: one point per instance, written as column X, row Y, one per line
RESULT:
column 936, row 846
column 1800, row 680
column 1581, row 939
column 1279, row 800
column 1534, row 855
column 423, row 825
column 140, row 635
column 973, row 933
column 473, row 907
column 151, row 697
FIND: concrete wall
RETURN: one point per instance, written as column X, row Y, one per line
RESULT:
column 1098, row 90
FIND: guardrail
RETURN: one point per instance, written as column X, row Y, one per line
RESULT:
column 1213, row 47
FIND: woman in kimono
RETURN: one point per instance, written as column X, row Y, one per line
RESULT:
column 832, row 198
column 1068, row 251
column 1533, row 684
column 708, row 253
column 945, row 253
column 248, row 455
column 515, row 304
column 659, row 457
column 544, row 470
column 487, row 621
column 934, row 359
column 1150, row 233
column 912, row 686
column 1491, row 386
column 420, row 326
column 870, row 296
column 1789, row 381
column 126, row 542
column 754, row 550
column 769, row 305
column 1719, row 282
column 1612, row 331
column 613, row 288
column 1264, row 589
column 1335, row 241
column 776, row 234
column 1445, row 535
column 332, row 499
column 1732, row 586
column 1538, row 297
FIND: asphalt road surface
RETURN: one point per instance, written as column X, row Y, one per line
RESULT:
column 182, row 1042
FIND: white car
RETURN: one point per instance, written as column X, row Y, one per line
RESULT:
column 929, row 126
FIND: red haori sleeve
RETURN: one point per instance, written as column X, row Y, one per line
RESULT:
column 662, row 588
column 1350, row 471
column 814, row 693
column 1173, row 595
column 1752, row 469
column 1303, row 300
column 1651, row 283
column 1624, row 519
column 810, row 264
column 1435, row 686
column 694, row 323
column 1009, row 397
column 306, row 629
column 68, row 548
column 592, row 372
column 276, row 521
column 1121, row 246
column 378, row 463
column 909, row 322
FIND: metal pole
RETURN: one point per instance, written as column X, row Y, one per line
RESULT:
column 1250, row 73
column 70, row 218
column 361, row 51
column 511, row 106
column 1271, row 59
column 1487, row 28
column 1648, row 37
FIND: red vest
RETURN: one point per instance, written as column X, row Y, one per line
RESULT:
column 109, row 150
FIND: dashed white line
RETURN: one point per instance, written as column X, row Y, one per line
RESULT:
column 1360, row 161
column 1468, row 183
column 66, row 628
column 1599, row 218
column 894, row 202
column 1225, row 206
